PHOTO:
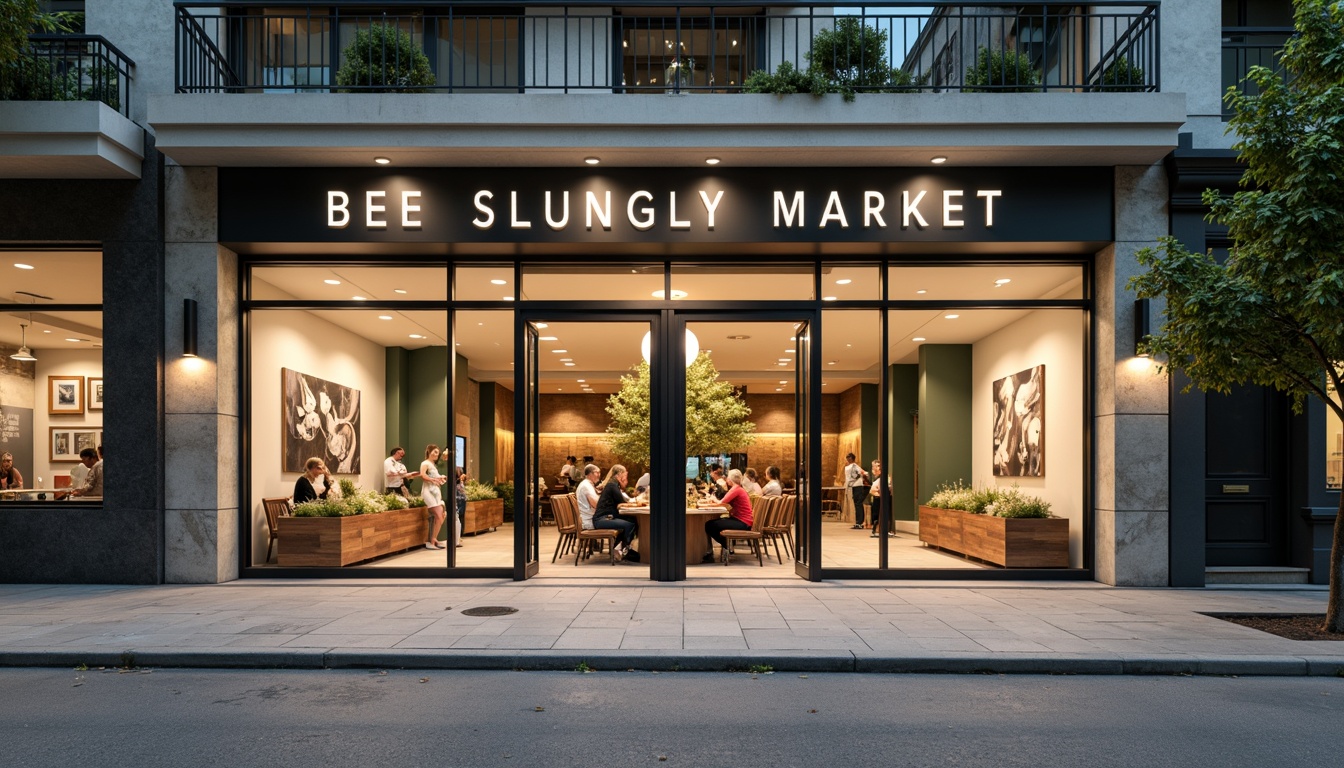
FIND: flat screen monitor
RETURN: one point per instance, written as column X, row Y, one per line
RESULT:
column 692, row 467
column 460, row 450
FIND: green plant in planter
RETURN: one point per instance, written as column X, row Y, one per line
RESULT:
column 850, row 56
column 786, row 79
column 480, row 491
column 1002, row 72
column 505, row 491
column 384, row 59
column 1122, row 76
column 348, row 500
column 1012, row 502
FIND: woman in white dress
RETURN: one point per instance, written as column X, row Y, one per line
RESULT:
column 432, row 494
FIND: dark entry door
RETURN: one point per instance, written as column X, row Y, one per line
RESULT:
column 1246, row 517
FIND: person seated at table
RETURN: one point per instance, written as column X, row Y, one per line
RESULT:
column 749, row 483
column 305, row 488
column 772, row 486
column 10, row 476
column 717, row 485
column 586, row 495
column 739, row 516
column 607, row 512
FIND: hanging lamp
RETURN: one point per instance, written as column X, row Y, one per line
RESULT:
column 24, row 355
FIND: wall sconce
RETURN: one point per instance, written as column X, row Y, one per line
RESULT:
column 1142, row 327
column 188, row 327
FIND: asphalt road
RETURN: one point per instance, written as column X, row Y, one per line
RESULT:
column 62, row 717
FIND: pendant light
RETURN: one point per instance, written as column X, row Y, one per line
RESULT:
column 24, row 355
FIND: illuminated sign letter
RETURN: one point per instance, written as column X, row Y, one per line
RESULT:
column 873, row 203
column 911, row 208
column 338, row 202
column 647, row 221
column 950, row 207
column 834, row 212
column 564, row 216
column 794, row 211
column 372, row 209
column 603, row 212
column 489, row 220
column 406, row 209
column 989, row 195
column 514, row 221
column 672, row 216
column 711, row 206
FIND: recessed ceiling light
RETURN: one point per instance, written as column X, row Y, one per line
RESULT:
column 843, row 281
column 416, row 336
column 1003, row 281
column 939, row 160
column 676, row 294
column 24, row 266
column 739, row 337
column 508, row 298
column 398, row 290
column 384, row 317
column 782, row 381
column 497, row 281
column 76, row 341
column 828, row 298
column 711, row 161
column 566, row 359
column 46, row 331
column 921, row 291
column 831, row 363
column 918, row 338
column 790, row 351
column 570, row 365
column 581, row 381
column 382, row 160
column 951, row 317
column 591, row 160
column 332, row 282
column 358, row 298
column 560, row 351
column 779, row 389
column 547, row 338
column 786, row 359
column 543, row 325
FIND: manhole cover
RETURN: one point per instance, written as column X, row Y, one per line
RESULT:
column 489, row 610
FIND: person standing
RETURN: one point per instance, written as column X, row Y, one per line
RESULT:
column 305, row 488
column 607, row 513
column 395, row 473
column 739, row 516
column 432, row 495
column 854, row 477
column 461, row 493
column 879, row 505
column 567, row 472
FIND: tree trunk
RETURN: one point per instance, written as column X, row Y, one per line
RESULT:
column 1334, row 618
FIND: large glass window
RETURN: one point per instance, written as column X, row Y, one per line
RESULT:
column 51, row 376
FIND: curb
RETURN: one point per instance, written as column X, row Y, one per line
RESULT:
column 686, row 661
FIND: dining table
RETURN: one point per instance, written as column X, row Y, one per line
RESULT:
column 697, row 543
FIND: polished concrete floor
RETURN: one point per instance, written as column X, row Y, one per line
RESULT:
column 842, row 547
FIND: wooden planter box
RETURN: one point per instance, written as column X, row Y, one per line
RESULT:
column 344, row 540
column 1009, row 542
column 483, row 515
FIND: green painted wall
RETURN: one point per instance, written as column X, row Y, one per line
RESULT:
column 944, row 416
column 869, row 424
column 486, row 450
column 398, row 417
column 900, row 471
column 428, row 411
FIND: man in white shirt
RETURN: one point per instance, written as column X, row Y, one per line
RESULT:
column 586, row 495
column 396, row 473
column 854, row 476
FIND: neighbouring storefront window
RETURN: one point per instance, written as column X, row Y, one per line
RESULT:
column 1334, row 442
column 51, row 376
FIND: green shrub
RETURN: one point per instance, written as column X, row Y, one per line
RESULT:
column 954, row 496
column 786, row 79
column 348, row 500
column 505, row 491
column 320, row 508
column 480, row 491
column 1122, row 76
column 1012, row 502
column 386, row 58
column 1003, row 72
column 848, row 58
column 394, row 501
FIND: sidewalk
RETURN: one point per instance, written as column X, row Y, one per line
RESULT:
column 1053, row 628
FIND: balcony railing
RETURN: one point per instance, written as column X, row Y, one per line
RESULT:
column 653, row 47
column 58, row 67
column 1246, row 47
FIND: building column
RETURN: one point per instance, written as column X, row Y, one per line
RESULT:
column 1131, row 426
column 201, row 515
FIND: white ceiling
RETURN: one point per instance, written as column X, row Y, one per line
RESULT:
column 56, row 277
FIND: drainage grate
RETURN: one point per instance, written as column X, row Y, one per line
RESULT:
column 489, row 610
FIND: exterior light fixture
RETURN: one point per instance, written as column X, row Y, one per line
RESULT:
column 591, row 160
column 1142, row 327
column 382, row 160
column 939, row 160
column 188, row 327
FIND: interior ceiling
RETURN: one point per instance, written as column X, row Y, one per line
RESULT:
column 56, row 277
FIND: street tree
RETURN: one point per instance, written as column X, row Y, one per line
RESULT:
column 1272, row 313
column 20, row 18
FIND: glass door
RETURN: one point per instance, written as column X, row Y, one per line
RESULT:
column 527, row 405
column 807, row 517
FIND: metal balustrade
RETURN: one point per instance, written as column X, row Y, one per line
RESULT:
column 1246, row 47
column 61, row 67
column 651, row 47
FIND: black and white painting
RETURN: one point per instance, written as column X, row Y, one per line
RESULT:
column 1019, row 424
column 321, row 419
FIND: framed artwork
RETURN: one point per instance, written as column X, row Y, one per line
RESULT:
column 319, row 418
column 65, row 394
column 67, row 442
column 95, row 393
column 1019, row 424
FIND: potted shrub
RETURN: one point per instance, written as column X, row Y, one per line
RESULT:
column 844, row 60
column 1003, row 526
column 1122, row 76
column 1003, row 72
column 485, row 509
column 383, row 59
column 350, row 526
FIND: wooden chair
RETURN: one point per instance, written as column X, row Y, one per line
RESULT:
column 275, row 509
column 780, row 526
column 586, row 538
column 755, row 537
column 566, row 524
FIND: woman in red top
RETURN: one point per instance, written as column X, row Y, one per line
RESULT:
column 739, row 516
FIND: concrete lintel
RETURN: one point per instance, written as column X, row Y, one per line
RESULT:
column 68, row 140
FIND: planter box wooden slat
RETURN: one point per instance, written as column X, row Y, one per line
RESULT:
column 1009, row 542
column 338, row 541
column 483, row 515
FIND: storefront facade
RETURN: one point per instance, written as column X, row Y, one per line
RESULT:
column 487, row 231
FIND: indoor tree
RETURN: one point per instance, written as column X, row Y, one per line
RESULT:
column 1272, row 314
column 716, row 416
